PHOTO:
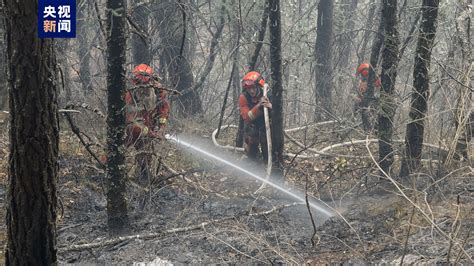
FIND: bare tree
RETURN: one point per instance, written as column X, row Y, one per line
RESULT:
column 278, row 138
column 140, row 39
column 387, row 106
column 346, row 41
column 419, row 100
column 116, row 43
column 323, row 89
column 368, row 24
column 374, row 59
column 83, row 52
column 261, row 36
column 173, row 16
column 464, row 116
column 34, row 136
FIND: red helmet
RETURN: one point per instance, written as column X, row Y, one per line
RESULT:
column 143, row 73
column 363, row 69
column 252, row 78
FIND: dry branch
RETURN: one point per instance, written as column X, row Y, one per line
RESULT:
column 86, row 145
column 425, row 215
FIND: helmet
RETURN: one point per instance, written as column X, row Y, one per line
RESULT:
column 363, row 69
column 142, row 73
column 252, row 78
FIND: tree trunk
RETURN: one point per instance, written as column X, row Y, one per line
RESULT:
column 212, row 49
column 278, row 139
column 64, row 90
column 387, row 106
column 237, row 26
column 345, row 44
column 83, row 52
column 3, row 67
column 34, row 136
column 116, row 44
column 374, row 59
column 140, row 41
column 419, row 101
column 173, row 19
column 365, row 38
column 464, row 115
column 323, row 90
column 261, row 36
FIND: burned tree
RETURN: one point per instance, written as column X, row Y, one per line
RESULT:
column 419, row 100
column 3, row 78
column 387, row 105
column 277, row 86
column 116, row 43
column 172, row 16
column 369, row 95
column 34, row 136
column 323, row 89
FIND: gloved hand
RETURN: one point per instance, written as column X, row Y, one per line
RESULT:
column 265, row 102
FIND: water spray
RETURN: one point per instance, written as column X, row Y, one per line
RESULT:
column 320, row 208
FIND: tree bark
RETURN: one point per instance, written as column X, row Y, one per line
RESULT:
column 387, row 106
column 324, row 72
column 116, row 44
column 415, row 128
column 278, row 139
column 34, row 136
column 3, row 67
column 419, row 101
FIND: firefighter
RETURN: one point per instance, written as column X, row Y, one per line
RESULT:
column 363, row 74
column 251, row 103
column 146, row 113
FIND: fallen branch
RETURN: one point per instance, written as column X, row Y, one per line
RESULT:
column 117, row 240
column 319, row 153
column 310, row 126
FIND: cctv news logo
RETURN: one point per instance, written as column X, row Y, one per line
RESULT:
column 57, row 19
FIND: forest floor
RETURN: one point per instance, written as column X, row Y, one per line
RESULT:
column 209, row 213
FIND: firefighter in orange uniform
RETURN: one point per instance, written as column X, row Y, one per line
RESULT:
column 251, row 103
column 363, row 73
column 146, row 113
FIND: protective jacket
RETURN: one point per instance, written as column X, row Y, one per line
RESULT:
column 146, row 111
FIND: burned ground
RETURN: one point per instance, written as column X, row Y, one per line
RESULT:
column 209, row 213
